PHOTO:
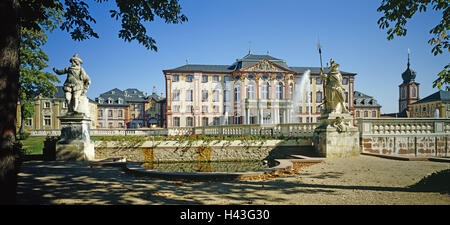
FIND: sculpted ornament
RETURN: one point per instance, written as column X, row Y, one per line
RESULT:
column 76, row 84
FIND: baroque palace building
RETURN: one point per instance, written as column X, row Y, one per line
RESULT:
column 256, row 89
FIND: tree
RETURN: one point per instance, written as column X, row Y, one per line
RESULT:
column 30, row 14
column 32, row 80
column 399, row 11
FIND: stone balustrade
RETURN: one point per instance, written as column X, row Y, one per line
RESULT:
column 405, row 136
column 292, row 129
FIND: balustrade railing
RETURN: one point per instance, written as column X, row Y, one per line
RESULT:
column 403, row 126
column 292, row 129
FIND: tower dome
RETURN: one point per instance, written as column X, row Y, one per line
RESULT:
column 409, row 74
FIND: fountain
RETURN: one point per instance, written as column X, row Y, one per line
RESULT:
column 302, row 95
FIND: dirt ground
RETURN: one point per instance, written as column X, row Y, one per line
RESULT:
column 356, row 181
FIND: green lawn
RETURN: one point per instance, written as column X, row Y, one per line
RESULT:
column 33, row 145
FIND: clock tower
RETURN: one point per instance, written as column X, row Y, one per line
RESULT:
column 409, row 89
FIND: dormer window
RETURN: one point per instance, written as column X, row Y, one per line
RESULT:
column 109, row 101
column 120, row 101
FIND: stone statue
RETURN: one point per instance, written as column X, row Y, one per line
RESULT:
column 334, row 91
column 76, row 84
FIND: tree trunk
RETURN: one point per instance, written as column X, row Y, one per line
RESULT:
column 9, row 79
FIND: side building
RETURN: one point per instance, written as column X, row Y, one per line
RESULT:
column 48, row 109
column 256, row 89
column 130, row 108
column 436, row 105
column 366, row 106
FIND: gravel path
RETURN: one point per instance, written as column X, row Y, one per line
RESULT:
column 356, row 180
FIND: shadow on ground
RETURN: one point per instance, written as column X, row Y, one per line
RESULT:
column 77, row 183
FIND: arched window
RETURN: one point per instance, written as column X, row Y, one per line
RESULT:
column 280, row 90
column 251, row 90
column 414, row 91
column 265, row 90
column 237, row 93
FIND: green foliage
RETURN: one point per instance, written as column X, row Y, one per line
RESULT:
column 399, row 11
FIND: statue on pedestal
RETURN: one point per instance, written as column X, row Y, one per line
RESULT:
column 334, row 91
column 76, row 84
column 75, row 142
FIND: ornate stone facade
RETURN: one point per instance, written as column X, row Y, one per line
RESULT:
column 256, row 89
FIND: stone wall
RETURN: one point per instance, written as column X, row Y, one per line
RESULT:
column 407, row 137
column 194, row 151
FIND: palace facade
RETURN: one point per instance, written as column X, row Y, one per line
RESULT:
column 256, row 89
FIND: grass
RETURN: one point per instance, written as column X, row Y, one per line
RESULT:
column 33, row 145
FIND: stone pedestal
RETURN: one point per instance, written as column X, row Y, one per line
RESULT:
column 75, row 143
column 336, row 137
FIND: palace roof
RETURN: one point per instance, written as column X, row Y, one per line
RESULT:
column 363, row 100
column 247, row 61
column 437, row 96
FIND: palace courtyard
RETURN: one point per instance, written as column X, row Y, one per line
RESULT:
column 337, row 181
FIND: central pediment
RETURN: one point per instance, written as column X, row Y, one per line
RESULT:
column 265, row 66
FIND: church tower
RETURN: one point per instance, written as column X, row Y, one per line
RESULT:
column 409, row 89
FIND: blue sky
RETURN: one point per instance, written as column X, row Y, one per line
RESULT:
column 219, row 32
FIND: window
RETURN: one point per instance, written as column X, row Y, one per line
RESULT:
column 345, row 81
column 265, row 90
column 251, row 90
column 205, row 121
column 189, row 121
column 47, row 120
column 110, row 125
column 100, row 113
column 216, row 121
column 100, row 124
column 318, row 80
column 280, row 90
column 120, row 101
column 215, row 96
column 414, row 91
column 318, row 97
column 152, row 107
column 64, row 105
column 318, row 109
column 237, row 93
column 227, row 78
column 227, row 109
column 374, row 113
column 291, row 91
column 110, row 113
column 28, row 122
column 204, row 78
column 176, row 95
column 366, row 114
column 346, row 97
column 189, row 108
column 226, row 96
column 46, row 105
column 216, row 78
column 120, row 125
column 176, row 108
column 189, row 95
column 215, row 108
column 110, row 101
column 188, row 78
column 204, row 95
column 205, row 109
column 175, row 78
column 176, row 121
